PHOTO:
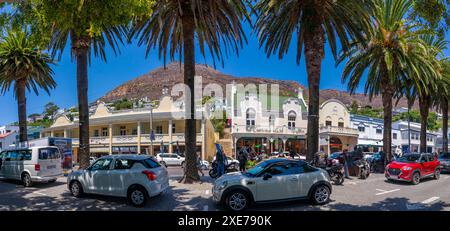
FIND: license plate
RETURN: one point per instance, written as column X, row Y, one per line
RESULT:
column 51, row 166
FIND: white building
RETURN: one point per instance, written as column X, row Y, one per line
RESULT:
column 8, row 136
column 402, row 126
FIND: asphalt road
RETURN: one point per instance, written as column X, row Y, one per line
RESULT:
column 373, row 194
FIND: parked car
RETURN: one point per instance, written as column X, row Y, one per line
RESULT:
column 272, row 180
column 36, row 164
column 413, row 167
column 170, row 159
column 205, row 165
column 444, row 159
column 135, row 177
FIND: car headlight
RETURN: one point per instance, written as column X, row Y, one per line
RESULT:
column 406, row 168
column 221, row 186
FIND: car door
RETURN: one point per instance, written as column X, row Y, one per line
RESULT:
column 119, row 176
column 425, row 165
column 307, row 178
column 97, row 176
column 280, row 185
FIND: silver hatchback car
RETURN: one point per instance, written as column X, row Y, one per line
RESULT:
column 135, row 177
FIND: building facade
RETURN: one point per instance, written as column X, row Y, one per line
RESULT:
column 128, row 131
column 403, row 141
column 336, row 133
column 266, row 127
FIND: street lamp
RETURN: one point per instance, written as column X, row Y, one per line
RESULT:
column 152, row 134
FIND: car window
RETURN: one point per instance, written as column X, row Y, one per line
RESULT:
column 424, row 158
column 49, row 154
column 123, row 164
column 102, row 164
column 430, row 158
column 151, row 163
column 24, row 155
column 174, row 156
column 283, row 169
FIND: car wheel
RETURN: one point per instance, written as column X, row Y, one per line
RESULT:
column 415, row 178
column 26, row 180
column 163, row 163
column 237, row 200
column 437, row 174
column 213, row 173
column 320, row 195
column 76, row 189
column 137, row 196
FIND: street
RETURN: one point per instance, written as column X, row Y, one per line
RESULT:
column 374, row 194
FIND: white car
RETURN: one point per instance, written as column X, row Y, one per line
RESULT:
column 230, row 160
column 36, row 164
column 272, row 180
column 169, row 159
column 135, row 177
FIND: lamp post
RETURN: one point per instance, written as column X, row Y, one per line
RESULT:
column 152, row 135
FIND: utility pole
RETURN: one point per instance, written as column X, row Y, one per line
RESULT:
column 152, row 135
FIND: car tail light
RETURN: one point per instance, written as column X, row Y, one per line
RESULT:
column 150, row 175
column 37, row 167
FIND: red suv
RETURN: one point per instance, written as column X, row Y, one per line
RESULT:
column 413, row 167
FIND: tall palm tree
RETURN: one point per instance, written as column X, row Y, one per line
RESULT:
column 394, row 53
column 89, row 26
column 425, row 90
column 25, row 67
column 173, row 29
column 311, row 23
column 441, row 99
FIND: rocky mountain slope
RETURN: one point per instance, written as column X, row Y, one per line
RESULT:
column 150, row 85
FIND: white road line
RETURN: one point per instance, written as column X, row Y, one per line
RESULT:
column 42, row 194
column 205, row 208
column 430, row 200
column 353, row 183
column 385, row 192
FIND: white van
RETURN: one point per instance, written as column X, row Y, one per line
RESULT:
column 36, row 164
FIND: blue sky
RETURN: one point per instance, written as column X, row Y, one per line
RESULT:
column 132, row 63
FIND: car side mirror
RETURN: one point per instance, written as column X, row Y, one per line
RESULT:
column 267, row 176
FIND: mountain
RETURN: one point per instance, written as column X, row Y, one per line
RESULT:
column 151, row 84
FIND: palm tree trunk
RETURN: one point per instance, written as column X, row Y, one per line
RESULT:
column 445, row 126
column 22, row 110
column 424, row 102
column 387, row 95
column 314, row 53
column 81, row 47
column 190, row 133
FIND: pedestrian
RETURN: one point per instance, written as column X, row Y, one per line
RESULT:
column 346, row 157
column 242, row 158
column 199, row 164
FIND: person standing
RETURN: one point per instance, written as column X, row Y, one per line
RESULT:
column 346, row 158
column 242, row 158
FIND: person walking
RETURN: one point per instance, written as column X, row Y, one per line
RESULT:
column 199, row 164
column 346, row 158
column 242, row 158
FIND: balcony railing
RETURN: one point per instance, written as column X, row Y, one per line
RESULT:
column 339, row 130
column 145, row 138
column 268, row 130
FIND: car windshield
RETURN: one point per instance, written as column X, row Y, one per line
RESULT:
column 257, row 169
column 408, row 158
column 444, row 155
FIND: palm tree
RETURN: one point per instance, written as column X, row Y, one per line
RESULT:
column 441, row 100
column 173, row 29
column 25, row 67
column 426, row 90
column 90, row 26
column 394, row 53
column 312, row 23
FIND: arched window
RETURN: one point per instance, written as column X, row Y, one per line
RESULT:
column 292, row 117
column 250, row 118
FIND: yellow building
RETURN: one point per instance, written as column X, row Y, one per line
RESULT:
column 336, row 133
column 128, row 131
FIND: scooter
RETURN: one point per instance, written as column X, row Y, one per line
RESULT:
column 364, row 168
column 336, row 172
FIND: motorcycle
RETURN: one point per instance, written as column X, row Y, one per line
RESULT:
column 336, row 172
column 364, row 168
column 228, row 168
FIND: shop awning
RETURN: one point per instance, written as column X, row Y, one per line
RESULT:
column 370, row 143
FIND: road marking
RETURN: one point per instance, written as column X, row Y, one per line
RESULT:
column 353, row 183
column 205, row 208
column 430, row 200
column 42, row 194
column 386, row 192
